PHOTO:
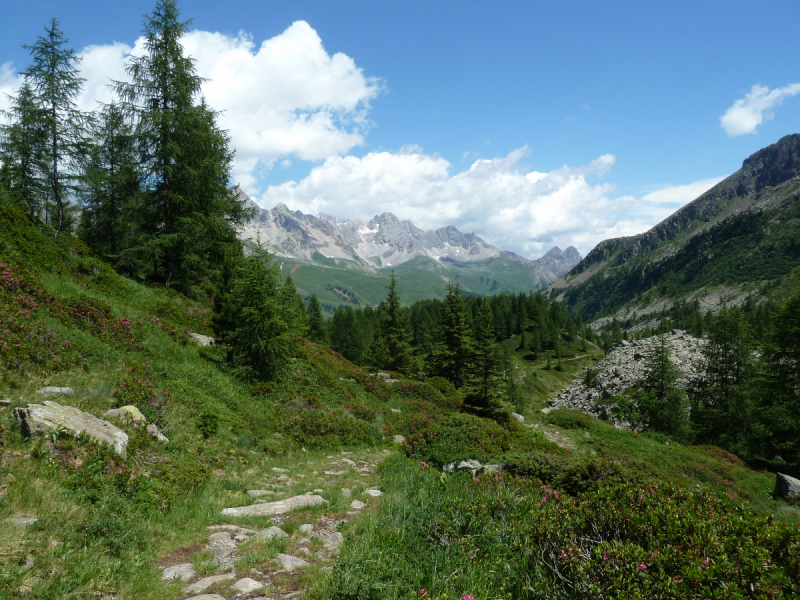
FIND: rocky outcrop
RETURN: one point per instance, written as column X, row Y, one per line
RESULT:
column 786, row 486
column 132, row 416
column 275, row 508
column 624, row 366
column 201, row 340
column 51, row 416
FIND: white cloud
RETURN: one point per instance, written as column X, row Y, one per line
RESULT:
column 285, row 97
column 749, row 112
column 526, row 212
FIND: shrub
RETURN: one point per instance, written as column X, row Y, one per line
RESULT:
column 570, row 419
column 208, row 424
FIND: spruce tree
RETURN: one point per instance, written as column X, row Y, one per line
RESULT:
column 294, row 307
column 662, row 404
column 22, row 143
column 316, row 323
column 189, row 212
column 56, row 85
column 486, row 358
column 390, row 347
column 455, row 353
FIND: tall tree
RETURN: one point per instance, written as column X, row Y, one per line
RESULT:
column 390, row 348
column 110, row 183
column 22, row 142
column 487, row 358
column 662, row 404
column 56, row 85
column 190, row 212
column 455, row 352
column 316, row 322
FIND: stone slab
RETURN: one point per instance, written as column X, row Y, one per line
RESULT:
column 278, row 507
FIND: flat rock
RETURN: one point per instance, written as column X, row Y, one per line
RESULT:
column 290, row 563
column 373, row 493
column 334, row 539
column 259, row 493
column 786, row 486
column 221, row 536
column 306, row 528
column 4, row 402
column 50, row 391
column 248, row 586
column 399, row 439
column 207, row 597
column 278, row 507
column 50, row 416
column 462, row 465
column 280, row 470
column 518, row 417
column 270, row 533
column 21, row 521
column 357, row 505
column 185, row 572
column 201, row 340
column 129, row 414
column 203, row 584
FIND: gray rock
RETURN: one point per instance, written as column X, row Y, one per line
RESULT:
column 279, row 470
column 51, row 416
column 290, row 563
column 222, row 536
column 270, row 533
column 50, row 391
column 373, row 493
column 201, row 340
column 207, row 597
column 185, row 572
column 276, row 508
column 259, row 493
column 306, row 528
column 399, row 439
column 470, row 464
column 396, row 411
column 4, row 402
column 519, row 418
column 335, row 539
column 786, row 486
column 127, row 414
column 22, row 521
column 357, row 505
column 203, row 584
column 248, row 586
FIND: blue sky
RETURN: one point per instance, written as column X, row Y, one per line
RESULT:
column 531, row 124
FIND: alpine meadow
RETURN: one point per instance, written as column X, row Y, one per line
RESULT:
column 202, row 397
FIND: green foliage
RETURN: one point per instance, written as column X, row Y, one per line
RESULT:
column 259, row 337
column 454, row 354
column 317, row 331
column 570, row 419
column 208, row 424
column 317, row 427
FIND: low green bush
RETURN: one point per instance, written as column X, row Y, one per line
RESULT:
column 570, row 419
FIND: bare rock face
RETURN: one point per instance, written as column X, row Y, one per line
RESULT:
column 51, row 416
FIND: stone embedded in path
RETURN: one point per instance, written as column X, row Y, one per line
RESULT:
column 259, row 493
column 206, row 582
column 21, row 521
column 270, row 533
column 306, row 528
column 278, row 507
column 290, row 563
column 50, row 391
column 786, row 486
column 357, row 505
column 185, row 572
column 207, row 597
column 222, row 536
column 373, row 493
column 50, row 416
column 248, row 585
column 279, row 470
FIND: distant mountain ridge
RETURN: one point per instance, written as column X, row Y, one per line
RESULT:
column 744, row 230
column 384, row 242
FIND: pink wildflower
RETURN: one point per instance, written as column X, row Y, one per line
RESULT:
column 468, row 597
column 642, row 567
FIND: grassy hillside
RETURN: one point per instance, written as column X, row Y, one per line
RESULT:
column 336, row 282
column 581, row 503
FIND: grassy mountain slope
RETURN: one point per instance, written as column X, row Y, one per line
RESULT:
column 741, row 237
column 105, row 525
column 335, row 282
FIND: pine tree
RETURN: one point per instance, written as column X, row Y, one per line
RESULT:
column 346, row 336
column 294, row 307
column 390, row 348
column 316, row 323
column 22, row 142
column 486, row 358
column 189, row 213
column 663, row 405
column 56, row 85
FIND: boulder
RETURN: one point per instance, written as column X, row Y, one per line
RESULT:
column 275, row 508
column 127, row 414
column 201, row 340
column 470, row 465
column 519, row 418
column 51, row 391
column 357, row 505
column 786, row 486
column 270, row 533
column 248, row 586
column 398, row 439
column 51, row 416
column 373, row 493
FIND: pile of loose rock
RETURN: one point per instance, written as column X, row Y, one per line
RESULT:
column 625, row 365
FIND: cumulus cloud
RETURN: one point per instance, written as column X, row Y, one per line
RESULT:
column 526, row 212
column 749, row 112
column 284, row 97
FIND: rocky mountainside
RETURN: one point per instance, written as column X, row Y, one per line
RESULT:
column 385, row 241
column 738, row 235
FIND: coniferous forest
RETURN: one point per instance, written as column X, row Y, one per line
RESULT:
column 404, row 450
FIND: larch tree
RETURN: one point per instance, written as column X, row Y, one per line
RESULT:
column 55, row 82
column 188, row 210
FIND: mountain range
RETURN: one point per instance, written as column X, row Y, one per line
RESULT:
column 342, row 259
column 738, row 240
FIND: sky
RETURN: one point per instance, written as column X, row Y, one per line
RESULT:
column 531, row 124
